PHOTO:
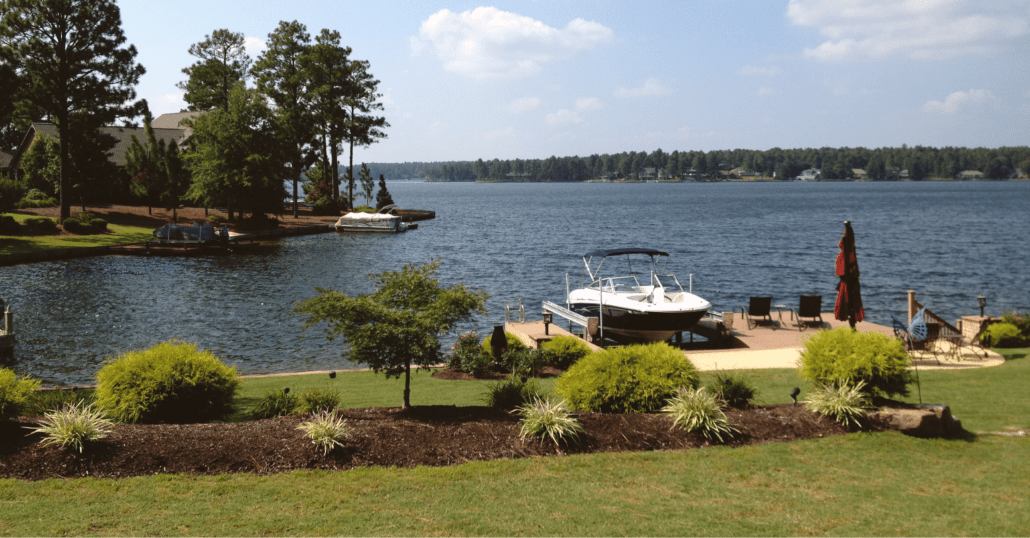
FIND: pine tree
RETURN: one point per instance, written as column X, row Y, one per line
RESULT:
column 383, row 197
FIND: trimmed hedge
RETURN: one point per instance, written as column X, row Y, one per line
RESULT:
column 843, row 355
column 633, row 379
column 15, row 393
column 566, row 350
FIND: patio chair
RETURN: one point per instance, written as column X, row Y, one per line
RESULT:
column 810, row 306
column 914, row 331
column 758, row 309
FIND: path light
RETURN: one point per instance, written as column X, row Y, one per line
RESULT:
column 332, row 375
column 548, row 317
column 982, row 301
column 794, row 394
column 286, row 390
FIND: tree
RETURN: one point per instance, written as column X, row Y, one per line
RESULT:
column 72, row 58
column 145, row 164
column 383, row 197
column 41, row 165
column 329, row 67
column 280, row 75
column 397, row 325
column 232, row 156
column 223, row 62
column 367, row 183
column 11, row 192
column 363, row 127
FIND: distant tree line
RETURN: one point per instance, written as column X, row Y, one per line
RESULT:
column 915, row 163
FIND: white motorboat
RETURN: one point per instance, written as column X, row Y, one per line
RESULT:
column 384, row 220
column 653, row 310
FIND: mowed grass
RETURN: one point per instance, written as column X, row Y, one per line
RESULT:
column 117, row 235
column 860, row 484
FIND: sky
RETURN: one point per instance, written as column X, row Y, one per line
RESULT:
column 528, row 80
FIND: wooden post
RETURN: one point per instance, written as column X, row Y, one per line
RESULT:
column 911, row 305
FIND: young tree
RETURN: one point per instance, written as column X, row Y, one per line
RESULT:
column 363, row 127
column 383, row 197
column 144, row 163
column 281, row 75
column 367, row 183
column 397, row 325
column 41, row 165
column 223, row 62
column 72, row 58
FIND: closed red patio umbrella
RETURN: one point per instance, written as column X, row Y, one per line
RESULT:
column 849, row 295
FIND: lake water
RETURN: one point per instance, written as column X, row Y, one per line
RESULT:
column 948, row 241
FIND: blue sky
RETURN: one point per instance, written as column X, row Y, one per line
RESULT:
column 462, row 81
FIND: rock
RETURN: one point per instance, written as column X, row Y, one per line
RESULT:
column 925, row 421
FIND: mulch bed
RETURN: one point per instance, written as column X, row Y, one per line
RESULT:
column 429, row 435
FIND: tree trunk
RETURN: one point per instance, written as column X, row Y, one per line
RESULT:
column 407, row 386
column 296, row 181
column 66, row 201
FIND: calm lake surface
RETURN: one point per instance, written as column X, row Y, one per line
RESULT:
column 948, row 241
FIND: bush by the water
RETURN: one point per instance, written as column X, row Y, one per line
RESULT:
column 172, row 382
column 468, row 356
column 843, row 355
column 1021, row 321
column 566, row 350
column 73, row 425
column 40, row 225
column 277, row 403
column 633, row 379
column 36, row 198
column 84, row 223
column 8, row 225
column 513, row 342
column 316, row 400
column 1003, row 335
column 734, row 389
column 512, row 392
column 47, row 401
column 15, row 393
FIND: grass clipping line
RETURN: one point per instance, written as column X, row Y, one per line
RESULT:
column 73, row 425
column 697, row 410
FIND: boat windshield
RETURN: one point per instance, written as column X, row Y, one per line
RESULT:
column 669, row 282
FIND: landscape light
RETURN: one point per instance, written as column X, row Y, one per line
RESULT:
column 794, row 394
column 982, row 301
column 286, row 390
column 332, row 375
column 548, row 317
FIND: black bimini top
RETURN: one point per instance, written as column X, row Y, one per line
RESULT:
column 624, row 251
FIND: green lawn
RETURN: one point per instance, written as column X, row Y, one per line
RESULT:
column 117, row 235
column 860, row 484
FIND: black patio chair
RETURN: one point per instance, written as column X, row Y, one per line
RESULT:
column 810, row 306
column 758, row 309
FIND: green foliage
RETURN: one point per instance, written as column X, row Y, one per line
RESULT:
column 15, row 393
column 840, row 400
column 278, row 403
column 367, row 183
column 549, row 420
column 631, row 379
column 72, row 225
column 383, row 197
column 222, row 63
column 73, row 425
column 8, row 226
column 172, row 382
column 398, row 325
column 317, row 400
column 1003, row 335
column 41, row 165
column 512, row 392
column 524, row 361
column 217, row 220
column 841, row 354
column 10, row 193
column 1021, row 321
column 512, row 342
column 468, row 356
column 325, row 205
column 46, row 401
column 325, row 429
column 566, row 350
column 733, row 388
column 36, row 198
column 697, row 410
column 37, row 225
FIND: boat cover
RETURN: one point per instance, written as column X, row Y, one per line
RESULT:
column 623, row 251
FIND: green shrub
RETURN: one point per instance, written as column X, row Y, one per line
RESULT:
column 85, row 217
column 364, row 209
column 217, row 219
column 566, row 350
column 72, row 225
column 1002, row 335
column 317, row 400
column 697, row 410
column 631, row 379
column 8, row 226
column 547, row 419
column 840, row 400
column 15, row 393
column 276, row 404
column 1021, row 321
column 325, row 429
column 513, row 342
column 46, row 401
column 98, row 225
column 523, row 361
column 10, row 193
column 172, row 382
column 512, row 392
column 73, row 425
column 734, row 389
column 468, row 356
column 36, row 198
column 41, row 225
column 841, row 354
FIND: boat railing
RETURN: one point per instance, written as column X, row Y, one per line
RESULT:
column 521, row 311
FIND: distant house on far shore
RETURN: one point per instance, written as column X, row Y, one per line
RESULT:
column 810, row 175
column 970, row 174
column 859, row 173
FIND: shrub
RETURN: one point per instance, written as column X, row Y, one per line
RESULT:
column 547, row 419
column 325, row 206
column 627, row 379
column 72, row 225
column 734, row 389
column 46, row 401
column 566, row 350
column 513, row 342
column 512, row 392
column 468, row 356
column 325, row 430
column 276, row 404
column 841, row 354
column 697, row 410
column 217, row 219
column 10, row 193
column 36, row 198
column 841, row 400
column 318, row 400
column 41, row 225
column 8, row 225
column 1002, row 335
column 524, row 361
column 15, row 393
column 364, row 209
column 1021, row 322
column 73, row 425
column 98, row 226
column 171, row 382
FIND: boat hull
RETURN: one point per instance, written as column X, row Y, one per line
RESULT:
column 638, row 325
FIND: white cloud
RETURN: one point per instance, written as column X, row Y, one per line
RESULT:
column 920, row 29
column 489, row 43
column 753, row 71
column 957, row 100
column 589, row 103
column 564, row 117
column 650, row 88
column 499, row 134
column 254, row 46
column 523, row 104
column 765, row 90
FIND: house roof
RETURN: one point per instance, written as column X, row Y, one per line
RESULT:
column 5, row 160
column 122, row 135
column 174, row 121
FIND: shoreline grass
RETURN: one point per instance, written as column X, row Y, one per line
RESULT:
column 24, row 244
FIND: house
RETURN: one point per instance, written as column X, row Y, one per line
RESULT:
column 970, row 174
column 648, row 174
column 810, row 175
column 5, row 163
column 859, row 174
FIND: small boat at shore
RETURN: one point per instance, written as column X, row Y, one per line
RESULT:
column 195, row 235
column 651, row 311
column 385, row 220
